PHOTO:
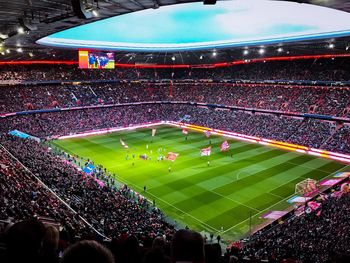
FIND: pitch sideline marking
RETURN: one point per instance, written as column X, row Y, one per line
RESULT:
column 252, row 208
column 287, row 181
column 308, row 167
column 279, row 196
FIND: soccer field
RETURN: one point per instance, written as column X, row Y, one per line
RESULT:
column 216, row 198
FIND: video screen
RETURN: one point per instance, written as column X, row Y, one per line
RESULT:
column 96, row 60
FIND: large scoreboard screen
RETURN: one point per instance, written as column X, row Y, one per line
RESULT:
column 96, row 60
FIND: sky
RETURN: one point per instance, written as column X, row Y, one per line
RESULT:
column 198, row 26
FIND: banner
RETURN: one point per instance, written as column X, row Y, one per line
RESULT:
column 184, row 131
column 312, row 206
column 123, row 144
column 23, row 135
column 206, row 151
column 207, row 134
column 89, row 169
column 154, row 132
column 172, row 156
column 224, row 146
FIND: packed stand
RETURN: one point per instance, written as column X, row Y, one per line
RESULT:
column 74, row 121
column 310, row 69
column 340, row 140
column 318, row 236
column 23, row 197
column 312, row 133
column 299, row 99
column 109, row 210
column 307, row 132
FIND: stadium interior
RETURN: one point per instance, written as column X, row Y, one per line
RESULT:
column 183, row 138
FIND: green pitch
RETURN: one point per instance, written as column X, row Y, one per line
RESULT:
column 216, row 198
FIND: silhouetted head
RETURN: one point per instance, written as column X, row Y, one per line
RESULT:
column 87, row 251
column 158, row 242
column 24, row 240
column 187, row 245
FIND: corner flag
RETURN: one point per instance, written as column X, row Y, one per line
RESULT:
column 172, row 156
column 224, row 146
column 206, row 151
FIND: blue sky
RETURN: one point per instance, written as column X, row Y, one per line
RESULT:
column 194, row 25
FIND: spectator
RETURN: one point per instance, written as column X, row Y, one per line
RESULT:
column 187, row 246
column 88, row 252
column 24, row 241
column 50, row 245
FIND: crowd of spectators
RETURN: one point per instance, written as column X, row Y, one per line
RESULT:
column 300, row 99
column 315, row 237
column 108, row 209
column 302, row 131
column 319, row 236
column 56, row 123
column 312, row 133
column 24, row 197
column 73, row 205
column 340, row 140
column 139, row 235
column 336, row 69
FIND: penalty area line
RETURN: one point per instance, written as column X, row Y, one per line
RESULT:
column 223, row 232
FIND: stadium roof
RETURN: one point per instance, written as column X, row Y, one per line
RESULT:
column 23, row 22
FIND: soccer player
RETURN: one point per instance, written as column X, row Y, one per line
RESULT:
column 169, row 169
column 208, row 163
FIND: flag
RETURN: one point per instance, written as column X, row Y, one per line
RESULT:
column 206, row 151
column 313, row 205
column 207, row 133
column 89, row 169
column 184, row 131
column 154, row 132
column 224, row 146
column 172, row 156
column 123, row 144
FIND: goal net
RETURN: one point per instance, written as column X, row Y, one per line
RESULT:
column 306, row 187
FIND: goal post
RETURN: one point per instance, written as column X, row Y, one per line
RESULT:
column 306, row 187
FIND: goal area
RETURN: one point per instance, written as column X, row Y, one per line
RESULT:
column 306, row 187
